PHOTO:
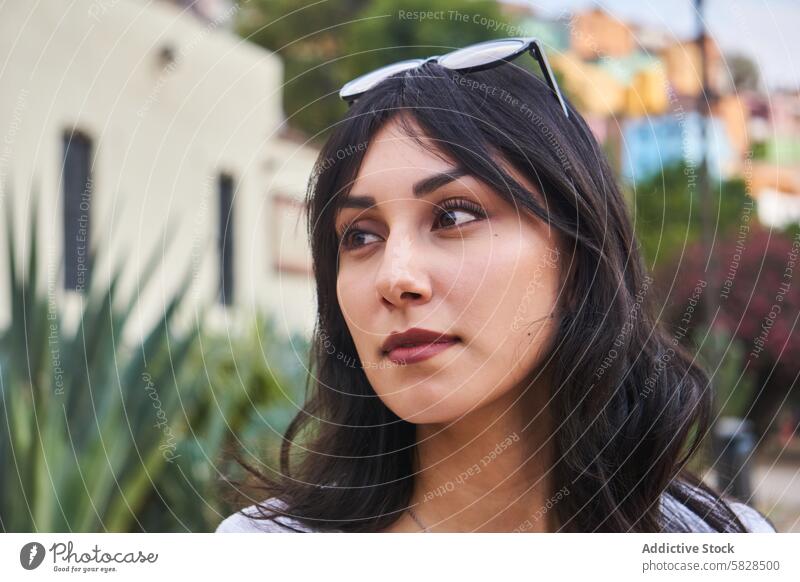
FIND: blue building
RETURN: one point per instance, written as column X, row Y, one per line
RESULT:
column 651, row 144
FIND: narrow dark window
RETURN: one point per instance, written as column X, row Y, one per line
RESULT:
column 77, row 203
column 225, row 239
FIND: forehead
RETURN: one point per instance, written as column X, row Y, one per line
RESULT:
column 394, row 155
column 395, row 162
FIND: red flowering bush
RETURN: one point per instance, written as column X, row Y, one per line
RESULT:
column 755, row 282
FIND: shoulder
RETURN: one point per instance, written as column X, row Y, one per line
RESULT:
column 677, row 513
column 246, row 521
column 752, row 519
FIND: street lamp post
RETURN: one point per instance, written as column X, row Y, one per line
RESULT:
column 732, row 438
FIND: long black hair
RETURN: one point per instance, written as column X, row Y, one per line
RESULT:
column 631, row 405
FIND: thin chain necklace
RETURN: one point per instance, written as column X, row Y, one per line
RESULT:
column 413, row 515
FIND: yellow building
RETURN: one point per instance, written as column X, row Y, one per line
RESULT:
column 596, row 91
column 647, row 94
column 682, row 62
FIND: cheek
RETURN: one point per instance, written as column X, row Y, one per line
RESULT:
column 351, row 294
column 360, row 305
column 509, row 286
column 512, row 323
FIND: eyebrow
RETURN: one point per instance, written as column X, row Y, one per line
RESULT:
column 421, row 188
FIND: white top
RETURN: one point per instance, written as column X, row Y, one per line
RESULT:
column 239, row 523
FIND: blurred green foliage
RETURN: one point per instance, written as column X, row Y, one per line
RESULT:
column 725, row 358
column 98, row 435
column 325, row 44
column 667, row 211
column 668, row 222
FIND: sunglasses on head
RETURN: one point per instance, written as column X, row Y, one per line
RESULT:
column 476, row 57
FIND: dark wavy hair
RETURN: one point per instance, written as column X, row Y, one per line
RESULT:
column 631, row 406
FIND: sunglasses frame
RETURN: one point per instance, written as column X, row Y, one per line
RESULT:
column 529, row 44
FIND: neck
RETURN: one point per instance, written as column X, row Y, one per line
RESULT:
column 488, row 471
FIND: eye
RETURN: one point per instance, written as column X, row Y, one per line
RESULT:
column 451, row 209
column 449, row 214
column 353, row 238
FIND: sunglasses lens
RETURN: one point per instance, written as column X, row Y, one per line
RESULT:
column 366, row 82
column 482, row 53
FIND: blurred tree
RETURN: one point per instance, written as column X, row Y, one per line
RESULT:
column 324, row 44
column 666, row 211
column 760, row 308
column 744, row 73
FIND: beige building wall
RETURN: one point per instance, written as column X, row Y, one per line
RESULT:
column 596, row 34
column 169, row 102
column 682, row 61
column 733, row 112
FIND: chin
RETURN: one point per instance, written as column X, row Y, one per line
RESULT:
column 432, row 415
column 426, row 403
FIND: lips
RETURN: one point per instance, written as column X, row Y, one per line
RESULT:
column 416, row 344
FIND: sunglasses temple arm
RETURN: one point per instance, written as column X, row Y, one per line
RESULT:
column 541, row 58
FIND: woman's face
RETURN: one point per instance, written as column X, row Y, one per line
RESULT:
column 450, row 256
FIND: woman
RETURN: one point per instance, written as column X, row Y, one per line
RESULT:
column 485, row 358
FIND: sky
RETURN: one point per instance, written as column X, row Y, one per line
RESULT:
column 768, row 31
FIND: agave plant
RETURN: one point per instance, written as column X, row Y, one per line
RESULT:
column 87, row 425
column 99, row 436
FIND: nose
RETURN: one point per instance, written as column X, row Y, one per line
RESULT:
column 402, row 279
